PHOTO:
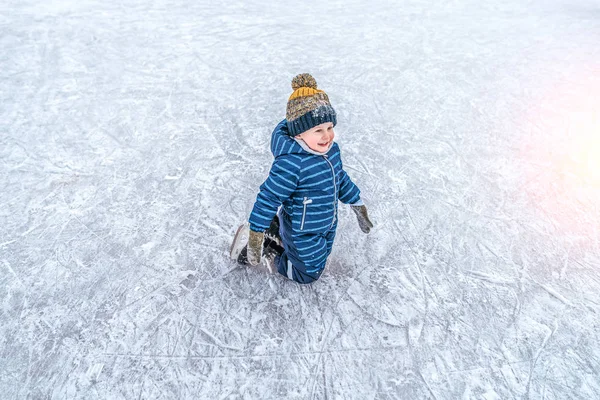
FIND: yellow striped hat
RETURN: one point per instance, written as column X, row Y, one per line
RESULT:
column 308, row 106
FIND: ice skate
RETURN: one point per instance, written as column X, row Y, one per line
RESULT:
column 271, row 249
column 272, row 231
column 238, row 250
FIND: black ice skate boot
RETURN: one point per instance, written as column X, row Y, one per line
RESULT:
column 271, row 250
column 272, row 231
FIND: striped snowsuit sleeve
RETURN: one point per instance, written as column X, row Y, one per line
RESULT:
column 278, row 187
column 349, row 193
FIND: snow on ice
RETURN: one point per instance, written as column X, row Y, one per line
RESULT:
column 134, row 136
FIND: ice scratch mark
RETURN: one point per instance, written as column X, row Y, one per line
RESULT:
column 426, row 384
column 553, row 292
column 417, row 263
column 144, row 296
column 255, row 356
column 335, row 307
column 94, row 371
column 413, row 357
column 217, row 342
column 7, row 243
column 537, row 356
column 12, row 271
column 488, row 278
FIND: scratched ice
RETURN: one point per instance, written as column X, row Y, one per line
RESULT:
column 134, row 136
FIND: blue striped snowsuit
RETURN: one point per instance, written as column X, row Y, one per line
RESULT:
column 307, row 187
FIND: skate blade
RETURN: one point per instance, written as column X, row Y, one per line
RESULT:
column 239, row 241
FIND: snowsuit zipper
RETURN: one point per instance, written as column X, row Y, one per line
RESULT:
column 334, row 191
column 305, row 202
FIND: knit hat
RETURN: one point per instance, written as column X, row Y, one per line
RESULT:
column 308, row 106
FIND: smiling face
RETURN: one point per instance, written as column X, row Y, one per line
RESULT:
column 318, row 138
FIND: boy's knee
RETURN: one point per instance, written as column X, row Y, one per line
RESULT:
column 299, row 275
column 307, row 277
column 300, row 272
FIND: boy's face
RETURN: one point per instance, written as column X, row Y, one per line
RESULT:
column 318, row 138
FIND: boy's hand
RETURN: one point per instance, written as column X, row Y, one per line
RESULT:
column 363, row 218
column 255, row 243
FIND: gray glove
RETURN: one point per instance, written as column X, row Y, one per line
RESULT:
column 255, row 243
column 363, row 218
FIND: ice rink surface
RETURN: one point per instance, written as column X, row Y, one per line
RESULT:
column 134, row 136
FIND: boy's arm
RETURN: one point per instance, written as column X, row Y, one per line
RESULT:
column 278, row 187
column 349, row 193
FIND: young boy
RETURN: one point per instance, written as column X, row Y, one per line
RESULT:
column 306, row 179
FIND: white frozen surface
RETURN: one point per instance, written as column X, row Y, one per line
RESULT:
column 133, row 138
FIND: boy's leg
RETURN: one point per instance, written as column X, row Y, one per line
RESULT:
column 289, row 263
column 293, row 272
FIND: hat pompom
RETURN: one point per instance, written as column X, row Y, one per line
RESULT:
column 304, row 80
